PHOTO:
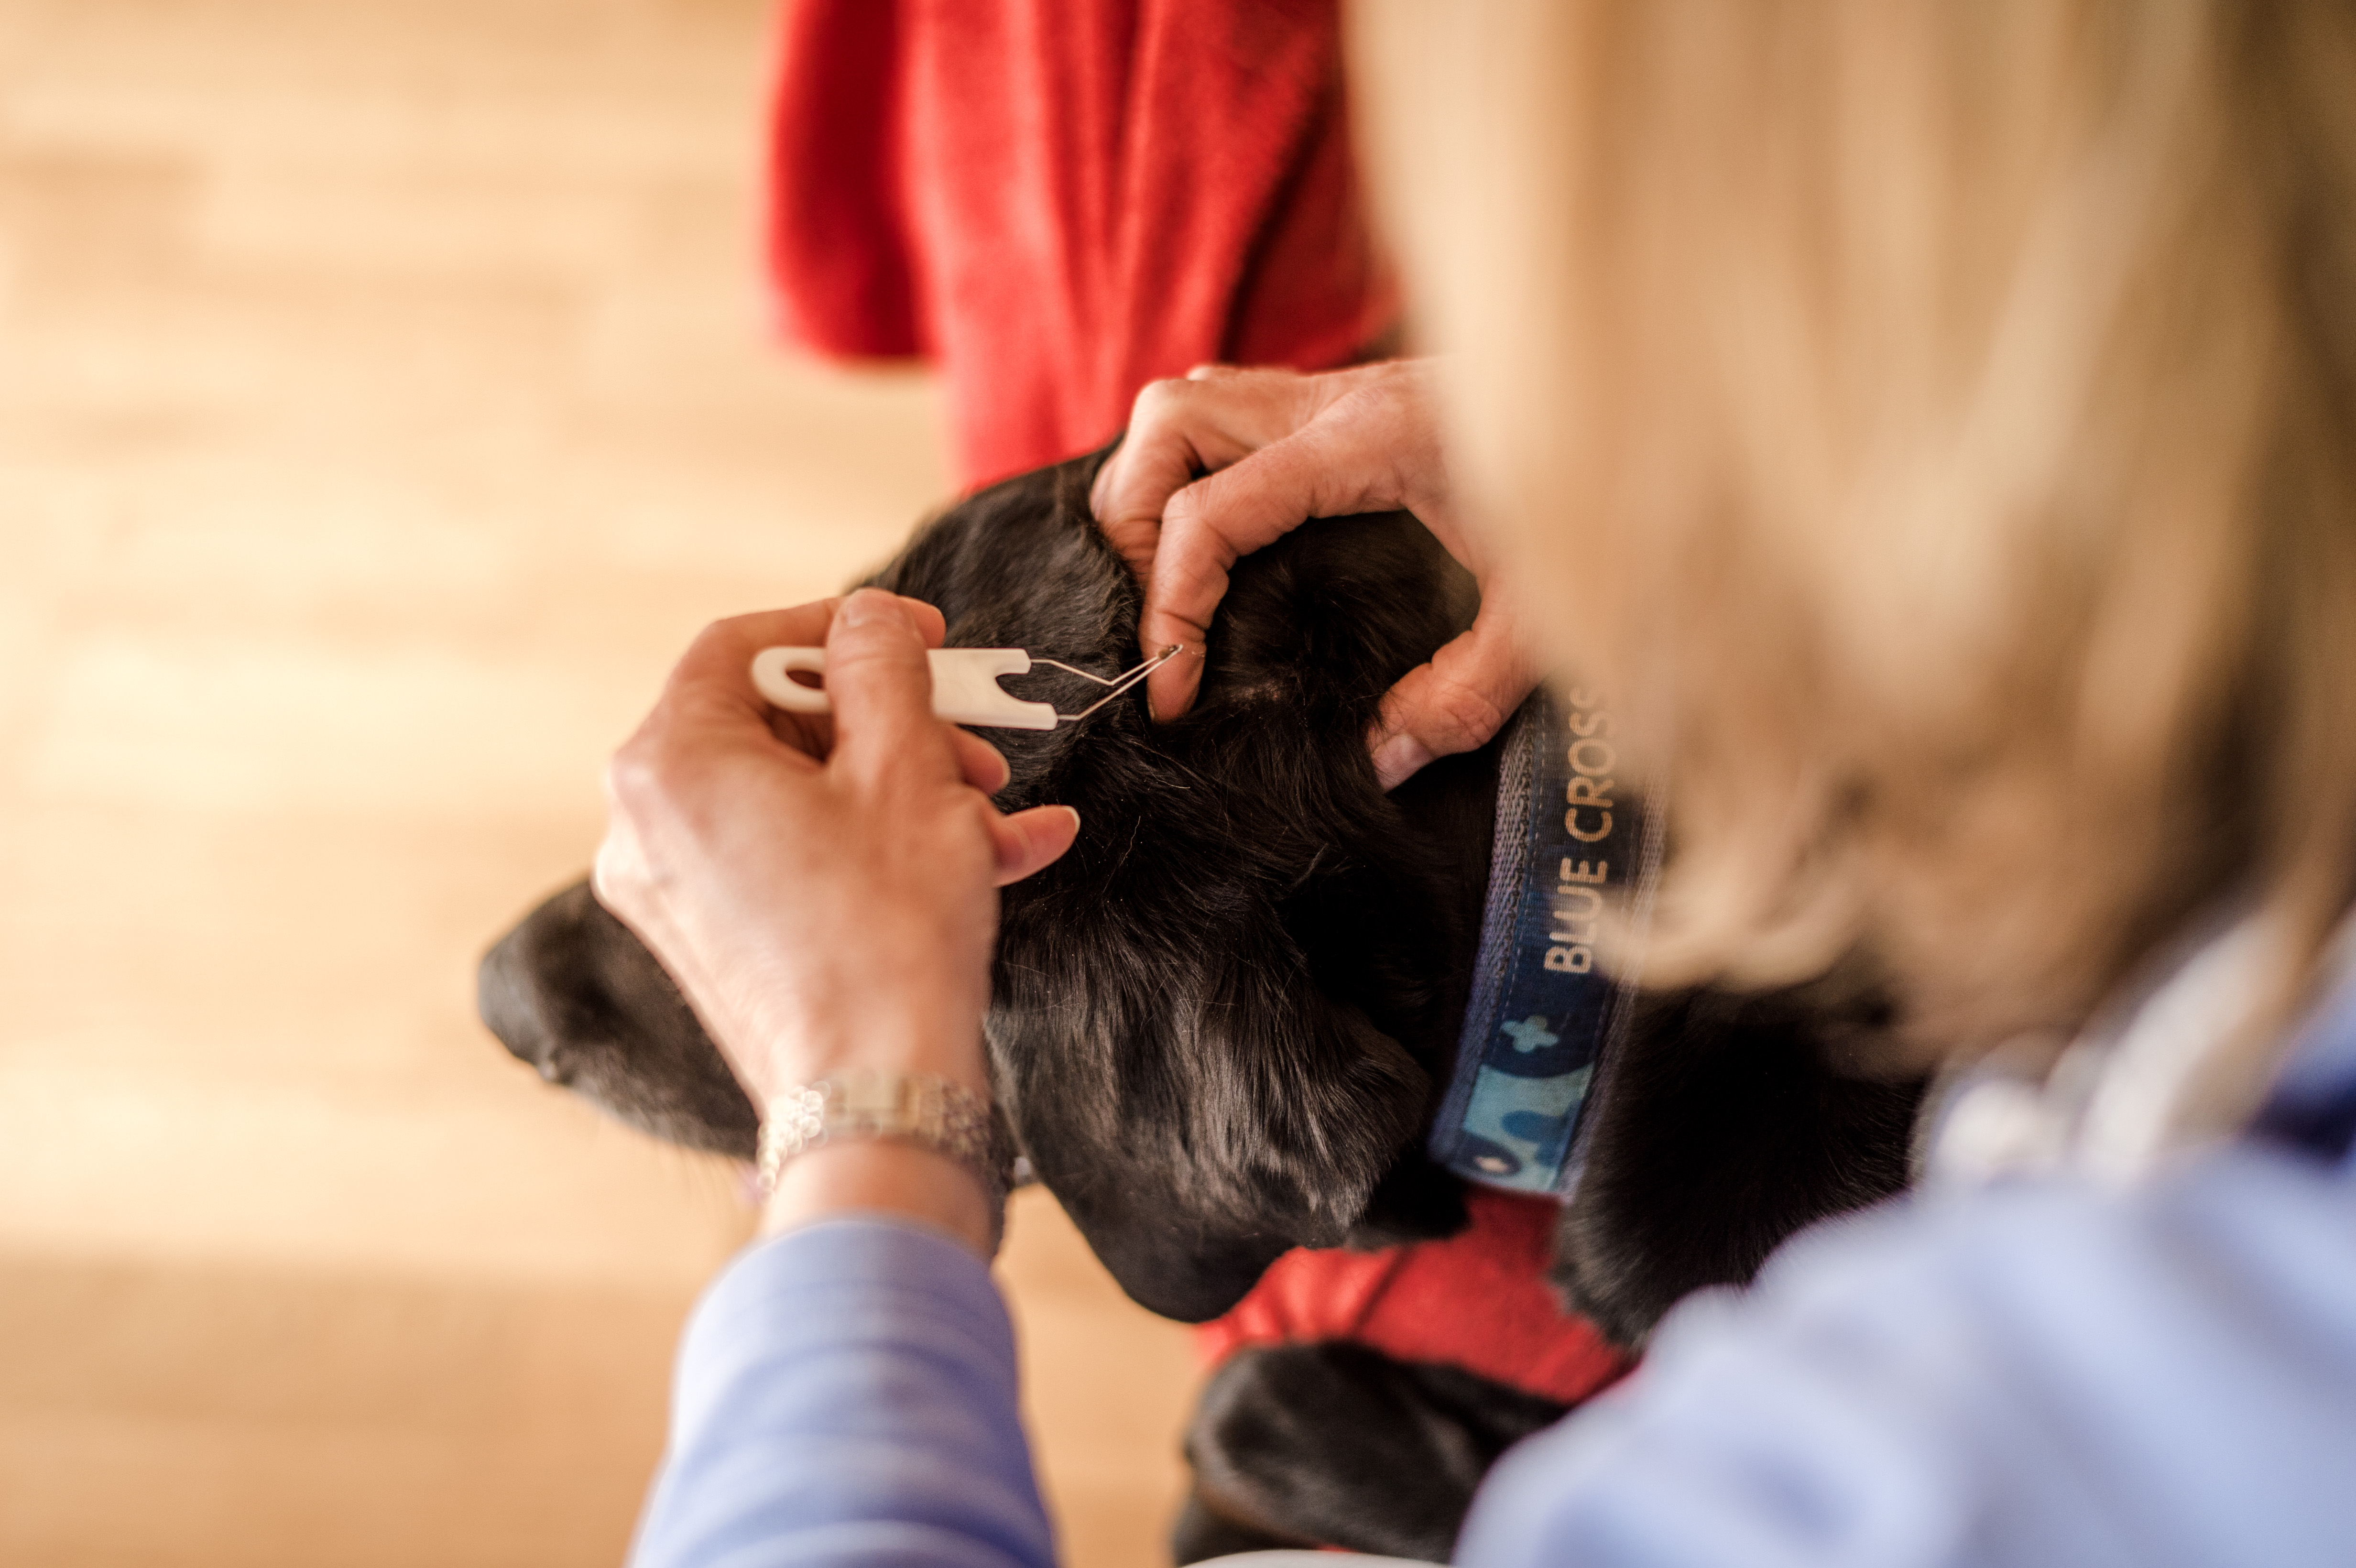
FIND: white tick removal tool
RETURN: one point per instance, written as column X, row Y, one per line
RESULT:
column 965, row 685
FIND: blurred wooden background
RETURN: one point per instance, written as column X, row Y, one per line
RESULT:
column 384, row 398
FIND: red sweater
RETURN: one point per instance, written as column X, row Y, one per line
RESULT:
column 1060, row 200
column 1478, row 1301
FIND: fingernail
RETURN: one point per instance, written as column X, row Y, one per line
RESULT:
column 867, row 604
column 1154, row 708
column 1076, row 819
column 1396, row 759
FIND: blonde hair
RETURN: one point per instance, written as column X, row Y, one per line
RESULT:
column 1936, row 425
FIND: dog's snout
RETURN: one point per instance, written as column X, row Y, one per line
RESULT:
column 508, row 1004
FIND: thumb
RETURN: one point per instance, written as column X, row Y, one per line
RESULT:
column 1455, row 703
column 881, row 687
column 1032, row 840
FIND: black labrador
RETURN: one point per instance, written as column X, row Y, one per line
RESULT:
column 1220, row 1025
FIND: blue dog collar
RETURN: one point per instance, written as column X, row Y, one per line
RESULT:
column 1543, row 1017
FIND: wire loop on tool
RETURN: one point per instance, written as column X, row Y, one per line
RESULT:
column 965, row 685
column 1119, row 683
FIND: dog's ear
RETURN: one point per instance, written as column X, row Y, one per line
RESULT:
column 572, row 991
column 1200, row 1112
column 1724, row 1125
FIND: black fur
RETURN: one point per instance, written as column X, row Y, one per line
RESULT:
column 1287, row 1439
column 1216, row 1025
column 1720, row 1130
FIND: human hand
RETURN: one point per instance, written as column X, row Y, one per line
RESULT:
column 1280, row 448
column 821, row 886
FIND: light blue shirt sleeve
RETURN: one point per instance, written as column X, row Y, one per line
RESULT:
column 2045, row 1374
column 846, row 1394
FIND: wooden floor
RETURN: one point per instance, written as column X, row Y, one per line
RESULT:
column 384, row 400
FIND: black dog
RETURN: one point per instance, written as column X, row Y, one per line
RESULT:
column 1220, row 1025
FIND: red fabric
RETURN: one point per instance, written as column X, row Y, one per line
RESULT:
column 1478, row 1301
column 1060, row 200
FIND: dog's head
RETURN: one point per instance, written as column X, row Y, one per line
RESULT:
column 1216, row 1024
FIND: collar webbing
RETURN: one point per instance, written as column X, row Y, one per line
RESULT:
column 1543, row 1015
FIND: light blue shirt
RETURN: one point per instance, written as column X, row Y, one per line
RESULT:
column 2042, row 1372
